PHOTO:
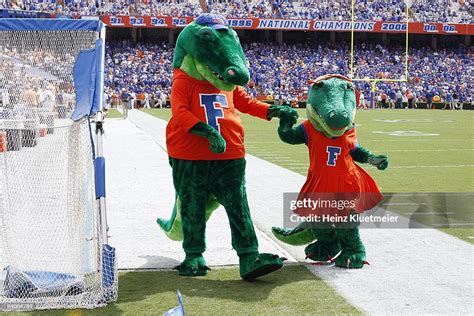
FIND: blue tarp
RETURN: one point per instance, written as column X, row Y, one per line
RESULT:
column 50, row 25
column 88, row 77
column 22, row 284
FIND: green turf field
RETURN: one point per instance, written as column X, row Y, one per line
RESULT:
column 439, row 163
column 113, row 113
column 291, row 291
column 429, row 151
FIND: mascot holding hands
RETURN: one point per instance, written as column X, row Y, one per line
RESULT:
column 205, row 141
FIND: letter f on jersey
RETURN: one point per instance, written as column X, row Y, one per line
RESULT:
column 333, row 153
column 213, row 104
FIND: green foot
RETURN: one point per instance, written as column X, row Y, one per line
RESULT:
column 353, row 251
column 193, row 265
column 351, row 259
column 296, row 237
column 173, row 227
column 321, row 251
column 256, row 265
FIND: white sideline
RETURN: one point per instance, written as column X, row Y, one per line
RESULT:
column 412, row 271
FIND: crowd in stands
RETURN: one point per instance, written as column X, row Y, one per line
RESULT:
column 35, row 68
column 136, row 69
column 460, row 11
column 281, row 72
column 76, row 8
column 277, row 72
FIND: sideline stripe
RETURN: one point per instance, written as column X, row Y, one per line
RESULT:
column 406, row 139
column 298, row 164
column 430, row 213
column 282, row 250
column 404, row 167
column 454, row 224
column 413, row 167
column 427, row 150
column 433, row 193
column 407, row 203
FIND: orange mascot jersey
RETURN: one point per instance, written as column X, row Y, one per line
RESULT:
column 194, row 101
column 333, row 175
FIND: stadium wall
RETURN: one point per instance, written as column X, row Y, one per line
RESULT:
column 136, row 34
column 296, row 25
column 286, row 30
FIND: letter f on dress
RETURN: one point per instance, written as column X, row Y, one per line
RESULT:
column 333, row 152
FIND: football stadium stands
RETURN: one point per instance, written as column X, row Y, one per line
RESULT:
column 278, row 71
column 282, row 71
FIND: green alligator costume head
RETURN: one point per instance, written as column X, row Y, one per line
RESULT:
column 331, row 104
column 208, row 49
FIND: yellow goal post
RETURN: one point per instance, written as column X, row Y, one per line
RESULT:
column 375, row 80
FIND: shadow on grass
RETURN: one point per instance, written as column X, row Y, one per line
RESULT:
column 223, row 283
column 292, row 289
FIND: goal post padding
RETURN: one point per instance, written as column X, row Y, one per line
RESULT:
column 53, row 233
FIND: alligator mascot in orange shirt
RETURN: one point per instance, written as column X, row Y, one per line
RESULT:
column 342, row 189
column 205, row 141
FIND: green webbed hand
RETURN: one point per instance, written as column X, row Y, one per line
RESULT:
column 274, row 110
column 379, row 161
column 363, row 155
column 288, row 134
column 216, row 141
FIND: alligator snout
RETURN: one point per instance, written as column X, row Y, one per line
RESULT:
column 338, row 119
column 237, row 75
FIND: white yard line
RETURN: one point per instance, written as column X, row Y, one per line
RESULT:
column 442, row 166
column 426, row 150
column 433, row 193
column 453, row 225
column 414, row 140
column 266, row 153
column 404, row 203
column 412, row 271
column 429, row 213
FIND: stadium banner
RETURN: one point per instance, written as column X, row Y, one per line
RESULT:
column 394, row 27
column 138, row 21
column 296, row 25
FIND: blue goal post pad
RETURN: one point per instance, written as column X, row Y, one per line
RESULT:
column 50, row 25
column 99, row 165
column 88, row 81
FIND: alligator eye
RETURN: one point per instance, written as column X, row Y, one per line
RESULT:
column 206, row 34
column 349, row 86
column 319, row 84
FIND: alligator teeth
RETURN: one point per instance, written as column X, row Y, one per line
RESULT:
column 217, row 75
